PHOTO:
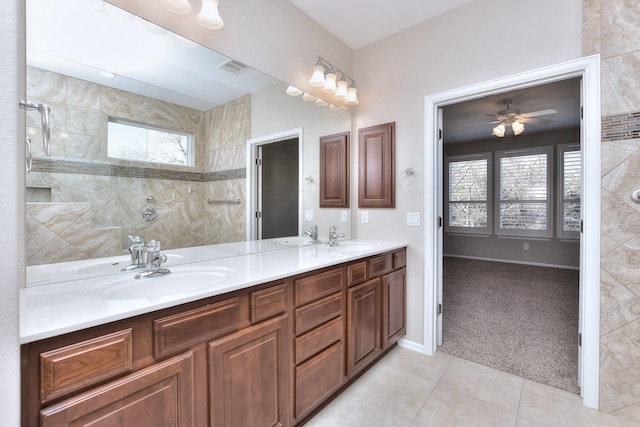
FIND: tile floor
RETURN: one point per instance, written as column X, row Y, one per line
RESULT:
column 407, row 388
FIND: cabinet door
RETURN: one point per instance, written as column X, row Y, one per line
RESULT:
column 377, row 166
column 248, row 377
column 393, row 307
column 160, row 395
column 363, row 325
column 334, row 171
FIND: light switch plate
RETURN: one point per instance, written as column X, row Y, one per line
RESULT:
column 343, row 216
column 413, row 219
column 308, row 215
column 365, row 217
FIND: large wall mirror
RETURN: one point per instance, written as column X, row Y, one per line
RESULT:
column 149, row 136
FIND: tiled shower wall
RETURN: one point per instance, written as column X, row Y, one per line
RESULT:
column 612, row 28
column 97, row 201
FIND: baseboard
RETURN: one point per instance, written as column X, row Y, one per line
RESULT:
column 411, row 345
column 510, row 261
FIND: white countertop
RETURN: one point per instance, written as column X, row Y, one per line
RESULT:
column 70, row 305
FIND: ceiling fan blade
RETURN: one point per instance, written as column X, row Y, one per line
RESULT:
column 540, row 113
column 538, row 121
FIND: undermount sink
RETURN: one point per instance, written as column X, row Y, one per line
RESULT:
column 353, row 248
column 182, row 280
column 101, row 266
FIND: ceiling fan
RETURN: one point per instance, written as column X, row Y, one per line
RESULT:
column 514, row 119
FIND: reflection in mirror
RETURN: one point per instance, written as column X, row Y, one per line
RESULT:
column 190, row 116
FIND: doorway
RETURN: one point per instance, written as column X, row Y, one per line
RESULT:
column 588, row 69
column 274, row 168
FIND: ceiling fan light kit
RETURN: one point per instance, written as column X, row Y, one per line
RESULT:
column 512, row 118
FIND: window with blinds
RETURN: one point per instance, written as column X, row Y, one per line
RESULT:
column 570, row 191
column 467, row 197
column 523, row 205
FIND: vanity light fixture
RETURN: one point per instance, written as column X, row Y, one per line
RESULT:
column 325, row 76
column 179, row 7
column 209, row 17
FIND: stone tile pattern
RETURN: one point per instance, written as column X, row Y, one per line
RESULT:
column 407, row 388
column 621, row 127
column 612, row 28
column 81, row 176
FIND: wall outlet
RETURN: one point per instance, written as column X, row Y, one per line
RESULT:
column 308, row 215
column 525, row 246
column 343, row 216
column 365, row 217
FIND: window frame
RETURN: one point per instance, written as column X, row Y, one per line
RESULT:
column 505, row 232
column 189, row 157
column 484, row 231
column 560, row 233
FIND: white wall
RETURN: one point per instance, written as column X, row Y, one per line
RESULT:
column 481, row 41
column 273, row 111
column 12, row 135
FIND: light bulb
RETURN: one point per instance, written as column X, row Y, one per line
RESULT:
column 317, row 79
column 352, row 97
column 209, row 17
column 499, row 130
column 341, row 92
column 330, row 83
column 180, row 7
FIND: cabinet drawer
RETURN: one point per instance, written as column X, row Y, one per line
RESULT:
column 311, row 288
column 268, row 302
column 399, row 259
column 380, row 265
column 73, row 367
column 177, row 332
column 318, row 339
column 317, row 313
column 356, row 273
column 318, row 378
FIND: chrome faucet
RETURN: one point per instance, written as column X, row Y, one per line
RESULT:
column 137, row 253
column 154, row 260
column 333, row 236
column 313, row 233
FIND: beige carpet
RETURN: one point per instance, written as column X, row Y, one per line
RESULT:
column 515, row 318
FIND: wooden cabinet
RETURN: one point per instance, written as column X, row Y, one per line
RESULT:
column 269, row 355
column 334, row 171
column 248, row 377
column 377, row 166
column 159, row 395
column 318, row 342
column 393, row 287
column 363, row 325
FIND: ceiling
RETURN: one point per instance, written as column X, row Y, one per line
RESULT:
column 361, row 22
column 471, row 120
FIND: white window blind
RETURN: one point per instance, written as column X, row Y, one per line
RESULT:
column 570, row 174
column 468, row 197
column 524, row 192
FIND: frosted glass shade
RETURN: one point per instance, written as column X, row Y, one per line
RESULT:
column 180, row 7
column 209, row 17
column 352, row 96
column 499, row 130
column 330, row 83
column 293, row 91
column 517, row 127
column 317, row 79
column 341, row 93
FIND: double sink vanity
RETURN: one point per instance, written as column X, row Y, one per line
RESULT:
column 260, row 333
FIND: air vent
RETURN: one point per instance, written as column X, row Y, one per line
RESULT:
column 233, row 66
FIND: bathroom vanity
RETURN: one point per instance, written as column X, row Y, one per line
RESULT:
column 275, row 336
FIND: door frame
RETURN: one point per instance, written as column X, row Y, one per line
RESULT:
column 252, row 187
column 588, row 68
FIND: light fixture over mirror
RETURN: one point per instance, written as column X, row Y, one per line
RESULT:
column 325, row 76
column 208, row 17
